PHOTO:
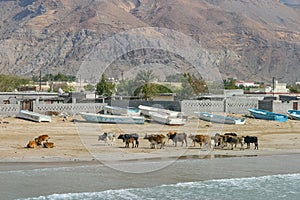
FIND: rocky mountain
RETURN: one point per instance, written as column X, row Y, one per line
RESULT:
column 248, row 39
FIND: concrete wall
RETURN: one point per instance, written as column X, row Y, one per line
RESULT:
column 171, row 105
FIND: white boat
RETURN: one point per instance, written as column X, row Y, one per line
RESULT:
column 115, row 119
column 114, row 110
column 166, row 119
column 220, row 118
column 32, row 116
column 145, row 110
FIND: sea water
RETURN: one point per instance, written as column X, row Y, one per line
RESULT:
column 262, row 177
column 265, row 187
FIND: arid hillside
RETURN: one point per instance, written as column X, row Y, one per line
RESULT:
column 247, row 39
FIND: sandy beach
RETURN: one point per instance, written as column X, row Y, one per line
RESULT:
column 81, row 163
column 79, row 141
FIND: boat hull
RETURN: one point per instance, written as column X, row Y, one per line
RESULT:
column 220, row 119
column 145, row 110
column 122, row 111
column 36, row 117
column 115, row 119
column 294, row 114
column 266, row 115
column 165, row 119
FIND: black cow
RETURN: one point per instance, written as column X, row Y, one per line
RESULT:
column 251, row 139
column 230, row 134
column 125, row 138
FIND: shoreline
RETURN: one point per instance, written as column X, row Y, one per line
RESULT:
column 18, row 165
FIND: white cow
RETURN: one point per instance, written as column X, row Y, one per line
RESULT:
column 108, row 138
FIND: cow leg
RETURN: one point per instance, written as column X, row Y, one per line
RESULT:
column 137, row 143
column 256, row 146
column 242, row 146
column 248, row 145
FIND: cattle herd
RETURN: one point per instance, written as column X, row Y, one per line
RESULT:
column 222, row 141
column 40, row 141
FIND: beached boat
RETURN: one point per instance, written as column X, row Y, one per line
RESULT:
column 166, row 119
column 294, row 114
column 267, row 115
column 115, row 110
column 32, row 116
column 145, row 110
column 220, row 118
column 115, row 119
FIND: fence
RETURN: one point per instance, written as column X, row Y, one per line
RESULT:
column 229, row 105
column 8, row 110
column 189, row 107
column 70, row 108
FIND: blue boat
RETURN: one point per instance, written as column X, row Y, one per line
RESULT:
column 220, row 118
column 294, row 114
column 267, row 115
column 114, row 119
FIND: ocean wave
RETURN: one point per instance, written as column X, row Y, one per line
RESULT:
column 283, row 186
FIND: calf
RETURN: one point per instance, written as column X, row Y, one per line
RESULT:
column 108, row 138
column 178, row 137
column 128, row 141
column 125, row 137
column 41, row 139
column 251, row 139
column 155, row 140
column 201, row 139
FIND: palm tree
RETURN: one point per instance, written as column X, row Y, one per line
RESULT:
column 143, row 80
column 145, row 76
column 126, row 87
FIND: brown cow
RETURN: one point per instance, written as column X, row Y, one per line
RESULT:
column 201, row 139
column 32, row 144
column 48, row 144
column 155, row 140
column 41, row 139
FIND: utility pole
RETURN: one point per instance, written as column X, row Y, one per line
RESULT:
column 40, row 80
column 273, row 86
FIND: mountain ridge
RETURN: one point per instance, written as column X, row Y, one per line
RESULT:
column 247, row 39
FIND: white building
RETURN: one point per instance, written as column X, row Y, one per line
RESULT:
column 280, row 87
